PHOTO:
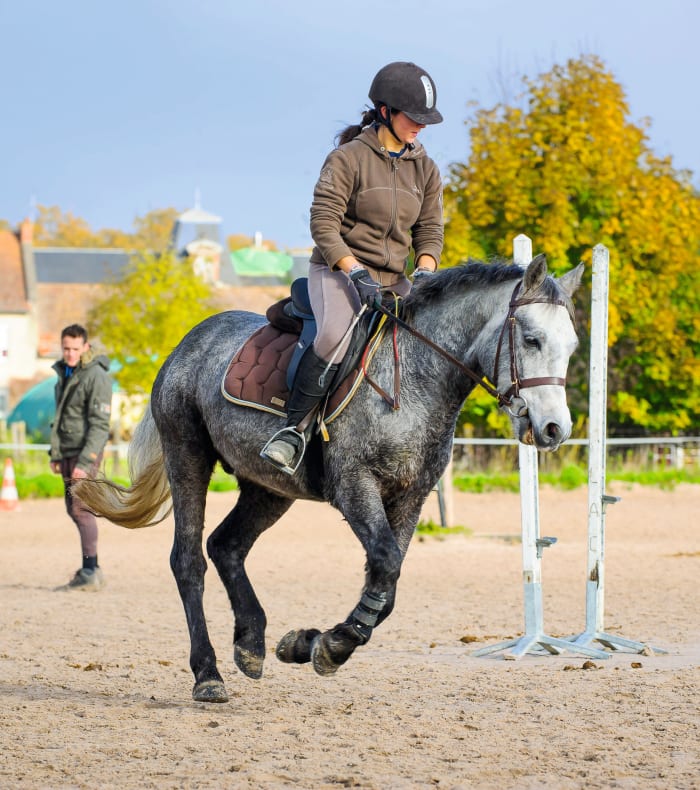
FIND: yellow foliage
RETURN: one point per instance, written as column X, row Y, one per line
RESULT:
column 56, row 228
column 568, row 168
column 146, row 314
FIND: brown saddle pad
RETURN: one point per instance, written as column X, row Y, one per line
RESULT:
column 257, row 374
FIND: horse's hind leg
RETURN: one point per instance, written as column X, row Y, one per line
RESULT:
column 228, row 546
column 189, row 470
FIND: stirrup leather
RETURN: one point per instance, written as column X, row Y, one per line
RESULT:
column 298, row 439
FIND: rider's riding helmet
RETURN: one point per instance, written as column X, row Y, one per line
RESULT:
column 408, row 88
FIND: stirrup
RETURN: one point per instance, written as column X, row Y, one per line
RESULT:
column 298, row 439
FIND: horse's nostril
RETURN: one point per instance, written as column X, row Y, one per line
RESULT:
column 553, row 432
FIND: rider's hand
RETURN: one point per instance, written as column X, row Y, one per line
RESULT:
column 368, row 289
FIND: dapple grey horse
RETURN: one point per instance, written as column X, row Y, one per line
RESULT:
column 512, row 325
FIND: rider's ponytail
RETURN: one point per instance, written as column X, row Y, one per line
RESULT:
column 350, row 132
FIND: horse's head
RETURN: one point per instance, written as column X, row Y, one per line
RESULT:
column 532, row 350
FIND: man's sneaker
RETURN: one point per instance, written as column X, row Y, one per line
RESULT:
column 86, row 579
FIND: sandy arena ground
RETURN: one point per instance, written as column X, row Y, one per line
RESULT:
column 96, row 688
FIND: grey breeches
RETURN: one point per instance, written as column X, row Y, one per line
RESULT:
column 335, row 303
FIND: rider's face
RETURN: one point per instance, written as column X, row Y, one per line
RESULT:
column 404, row 128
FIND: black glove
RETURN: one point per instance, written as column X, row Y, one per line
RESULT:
column 368, row 289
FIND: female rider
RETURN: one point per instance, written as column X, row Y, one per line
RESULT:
column 378, row 195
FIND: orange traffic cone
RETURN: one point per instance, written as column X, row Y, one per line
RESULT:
column 9, row 499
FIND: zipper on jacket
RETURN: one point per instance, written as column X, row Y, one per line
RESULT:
column 394, row 164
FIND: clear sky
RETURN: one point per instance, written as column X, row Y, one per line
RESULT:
column 111, row 110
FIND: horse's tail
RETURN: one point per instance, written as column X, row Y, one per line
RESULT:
column 147, row 500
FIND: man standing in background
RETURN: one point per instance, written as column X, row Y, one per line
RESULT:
column 79, row 434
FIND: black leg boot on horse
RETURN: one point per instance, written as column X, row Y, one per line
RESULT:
column 313, row 379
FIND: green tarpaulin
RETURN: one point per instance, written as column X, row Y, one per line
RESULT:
column 254, row 262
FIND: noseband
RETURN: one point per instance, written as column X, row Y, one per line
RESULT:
column 505, row 399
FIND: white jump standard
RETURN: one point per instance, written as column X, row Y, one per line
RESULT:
column 598, row 500
column 534, row 639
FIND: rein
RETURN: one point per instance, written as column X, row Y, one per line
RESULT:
column 504, row 399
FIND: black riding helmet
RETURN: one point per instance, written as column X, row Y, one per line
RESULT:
column 408, row 88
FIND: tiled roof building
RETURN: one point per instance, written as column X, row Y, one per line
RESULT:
column 43, row 289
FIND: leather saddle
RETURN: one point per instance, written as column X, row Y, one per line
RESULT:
column 261, row 373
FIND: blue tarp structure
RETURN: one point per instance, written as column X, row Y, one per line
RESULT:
column 256, row 262
column 36, row 409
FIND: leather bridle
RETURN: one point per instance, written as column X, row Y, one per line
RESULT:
column 517, row 383
column 504, row 399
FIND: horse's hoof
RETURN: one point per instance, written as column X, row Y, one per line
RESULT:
column 209, row 691
column 295, row 646
column 286, row 648
column 321, row 658
column 249, row 663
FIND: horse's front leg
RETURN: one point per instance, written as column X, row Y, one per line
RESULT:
column 402, row 513
column 228, row 546
column 363, row 508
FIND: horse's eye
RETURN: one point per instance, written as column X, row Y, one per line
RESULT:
column 532, row 342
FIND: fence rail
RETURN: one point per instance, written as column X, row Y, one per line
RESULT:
column 458, row 440
column 669, row 451
column 675, row 452
column 628, row 441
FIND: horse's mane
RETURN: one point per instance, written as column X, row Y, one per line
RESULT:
column 473, row 274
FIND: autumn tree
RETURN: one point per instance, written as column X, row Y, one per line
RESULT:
column 567, row 167
column 153, row 231
column 56, row 228
column 145, row 315
column 239, row 241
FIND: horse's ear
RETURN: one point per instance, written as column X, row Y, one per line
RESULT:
column 571, row 280
column 535, row 274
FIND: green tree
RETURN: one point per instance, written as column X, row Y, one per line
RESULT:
column 146, row 314
column 568, row 167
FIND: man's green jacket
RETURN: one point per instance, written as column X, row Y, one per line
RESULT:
column 83, row 408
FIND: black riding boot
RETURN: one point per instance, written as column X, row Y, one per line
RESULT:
column 286, row 448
